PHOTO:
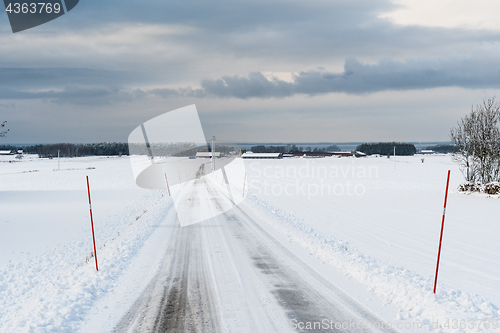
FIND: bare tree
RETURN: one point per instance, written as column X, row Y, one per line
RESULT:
column 477, row 141
column 464, row 156
column 2, row 125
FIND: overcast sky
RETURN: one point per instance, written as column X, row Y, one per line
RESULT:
column 258, row 71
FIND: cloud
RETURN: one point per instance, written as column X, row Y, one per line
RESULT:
column 73, row 96
column 33, row 78
column 90, row 87
column 358, row 78
column 7, row 106
column 285, row 30
column 78, row 86
column 160, row 43
column 255, row 85
column 193, row 35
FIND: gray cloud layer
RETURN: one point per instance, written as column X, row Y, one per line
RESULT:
column 83, row 86
column 79, row 86
column 357, row 78
column 287, row 35
column 298, row 31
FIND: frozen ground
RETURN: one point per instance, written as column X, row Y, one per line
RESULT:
column 387, row 234
column 375, row 234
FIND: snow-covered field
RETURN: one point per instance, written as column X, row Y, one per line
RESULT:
column 381, row 226
column 375, row 221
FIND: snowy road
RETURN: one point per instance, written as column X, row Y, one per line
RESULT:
column 228, row 274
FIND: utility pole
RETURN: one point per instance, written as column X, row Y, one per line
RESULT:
column 213, row 150
column 394, row 157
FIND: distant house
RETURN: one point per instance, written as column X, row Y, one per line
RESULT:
column 347, row 154
column 6, row 152
column 342, row 153
column 262, row 155
column 202, row 154
column 427, row 152
column 308, row 154
column 359, row 154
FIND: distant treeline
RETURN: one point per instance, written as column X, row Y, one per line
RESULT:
column 224, row 150
column 443, row 149
column 114, row 149
column 164, row 149
column 190, row 149
column 387, row 148
column 177, row 149
column 72, row 150
column 293, row 149
column 26, row 149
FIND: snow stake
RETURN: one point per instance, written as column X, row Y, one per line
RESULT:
column 244, row 181
column 442, row 228
column 168, row 188
column 92, row 224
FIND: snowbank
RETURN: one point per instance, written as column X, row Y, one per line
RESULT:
column 52, row 288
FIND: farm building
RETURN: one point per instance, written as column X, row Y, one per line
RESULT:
column 262, row 155
column 342, row 153
column 202, row 154
column 347, row 154
column 359, row 154
column 6, row 152
column 309, row 154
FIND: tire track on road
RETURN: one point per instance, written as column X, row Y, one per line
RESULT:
column 228, row 274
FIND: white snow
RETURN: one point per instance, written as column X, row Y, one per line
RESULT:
column 375, row 221
column 47, row 278
column 385, row 235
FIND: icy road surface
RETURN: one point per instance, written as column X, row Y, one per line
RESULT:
column 228, row 274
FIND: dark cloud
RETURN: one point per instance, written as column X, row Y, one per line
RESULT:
column 88, row 87
column 73, row 95
column 221, row 15
column 357, row 78
column 164, row 92
column 255, row 85
column 35, row 78
column 7, row 106
column 316, row 30
column 79, row 86
column 283, row 33
column 388, row 74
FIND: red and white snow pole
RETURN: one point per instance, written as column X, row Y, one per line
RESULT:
column 167, row 184
column 442, row 228
column 92, row 224
column 244, row 181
